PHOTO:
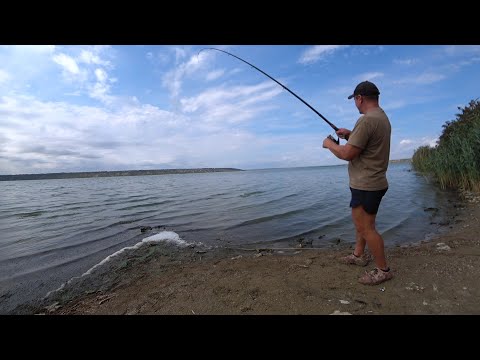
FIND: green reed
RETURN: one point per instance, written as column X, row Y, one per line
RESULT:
column 455, row 161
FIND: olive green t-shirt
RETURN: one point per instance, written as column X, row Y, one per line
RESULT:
column 371, row 134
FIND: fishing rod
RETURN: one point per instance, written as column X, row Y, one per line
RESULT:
column 279, row 83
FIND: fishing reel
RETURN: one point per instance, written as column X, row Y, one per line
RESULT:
column 333, row 139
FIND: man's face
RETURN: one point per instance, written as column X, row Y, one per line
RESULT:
column 358, row 102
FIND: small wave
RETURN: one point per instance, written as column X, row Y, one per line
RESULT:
column 146, row 205
column 61, row 215
column 251, row 193
column 164, row 236
column 264, row 219
column 124, row 222
column 30, row 214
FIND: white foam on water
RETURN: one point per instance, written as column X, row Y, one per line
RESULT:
column 166, row 236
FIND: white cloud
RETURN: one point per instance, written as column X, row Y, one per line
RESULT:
column 315, row 53
column 369, row 76
column 174, row 78
column 213, row 75
column 67, row 63
column 216, row 99
column 432, row 142
column 91, row 78
column 422, row 79
column 76, row 138
column 405, row 148
column 462, row 49
column 341, row 90
column 89, row 57
column 179, row 54
column 157, row 58
column 394, row 104
column 101, row 75
column 100, row 91
column 407, row 62
column 65, row 137
column 4, row 76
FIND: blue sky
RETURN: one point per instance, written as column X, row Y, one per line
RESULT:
column 91, row 108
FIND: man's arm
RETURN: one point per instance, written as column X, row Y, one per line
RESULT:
column 344, row 152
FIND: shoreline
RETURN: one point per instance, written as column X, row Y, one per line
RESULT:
column 434, row 276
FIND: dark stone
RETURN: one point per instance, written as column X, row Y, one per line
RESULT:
column 145, row 228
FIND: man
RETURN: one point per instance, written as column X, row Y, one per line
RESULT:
column 368, row 152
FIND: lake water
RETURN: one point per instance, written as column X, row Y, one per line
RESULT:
column 53, row 230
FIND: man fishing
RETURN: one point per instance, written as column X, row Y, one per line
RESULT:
column 367, row 151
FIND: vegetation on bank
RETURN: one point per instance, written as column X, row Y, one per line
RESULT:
column 455, row 161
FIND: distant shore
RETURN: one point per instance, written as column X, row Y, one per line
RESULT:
column 401, row 161
column 90, row 174
column 96, row 174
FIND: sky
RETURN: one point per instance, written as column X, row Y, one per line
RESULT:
column 104, row 108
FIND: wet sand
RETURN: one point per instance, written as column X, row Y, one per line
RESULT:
column 438, row 276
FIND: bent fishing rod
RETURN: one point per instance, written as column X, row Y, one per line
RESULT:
column 279, row 83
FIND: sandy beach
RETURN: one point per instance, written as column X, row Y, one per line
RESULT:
column 435, row 276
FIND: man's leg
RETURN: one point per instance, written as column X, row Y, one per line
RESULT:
column 359, row 243
column 366, row 233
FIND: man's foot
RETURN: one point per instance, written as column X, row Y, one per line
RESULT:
column 376, row 276
column 355, row 260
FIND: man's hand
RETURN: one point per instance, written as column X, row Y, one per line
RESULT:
column 328, row 141
column 343, row 133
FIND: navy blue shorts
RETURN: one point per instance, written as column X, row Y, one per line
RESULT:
column 370, row 200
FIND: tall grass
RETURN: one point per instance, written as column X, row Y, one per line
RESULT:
column 455, row 161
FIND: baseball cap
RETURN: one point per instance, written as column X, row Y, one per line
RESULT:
column 365, row 88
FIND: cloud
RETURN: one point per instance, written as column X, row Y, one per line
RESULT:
column 67, row 63
column 173, row 79
column 90, row 78
column 232, row 104
column 157, row 58
column 406, row 62
column 317, row 52
column 89, row 57
column 454, row 50
column 4, row 76
column 39, row 136
column 101, row 89
column 369, row 76
column 179, row 54
column 44, row 150
column 100, row 92
column 422, row 79
column 71, row 138
column 214, row 74
column 404, row 148
column 101, row 75
column 395, row 104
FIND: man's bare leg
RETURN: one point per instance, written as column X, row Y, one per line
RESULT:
column 366, row 232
